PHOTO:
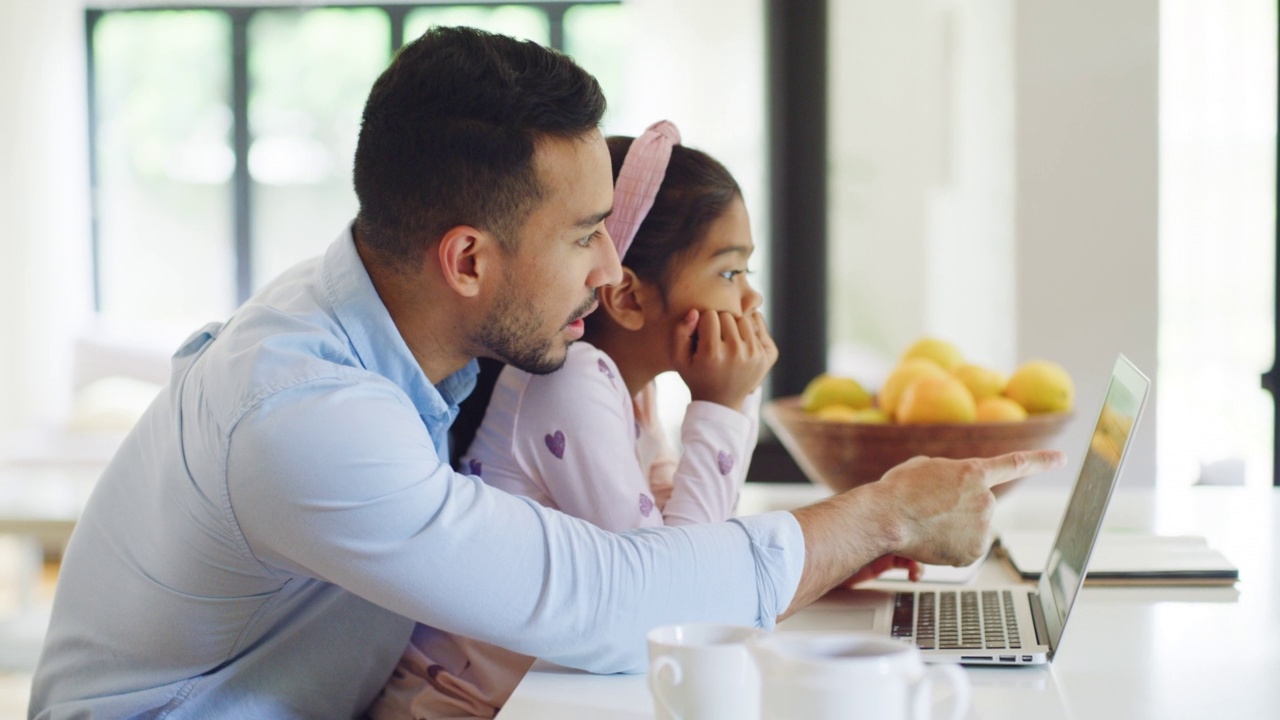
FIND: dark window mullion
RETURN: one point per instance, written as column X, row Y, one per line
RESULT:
column 797, row 78
column 397, row 14
column 555, row 20
column 241, row 184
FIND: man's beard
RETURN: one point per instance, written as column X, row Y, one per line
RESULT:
column 509, row 334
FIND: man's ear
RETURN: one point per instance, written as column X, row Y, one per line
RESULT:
column 625, row 302
column 466, row 259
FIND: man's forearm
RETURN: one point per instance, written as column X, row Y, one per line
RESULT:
column 841, row 535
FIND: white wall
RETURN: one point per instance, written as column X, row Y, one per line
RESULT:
column 994, row 182
column 44, row 247
column 921, row 217
column 1087, row 82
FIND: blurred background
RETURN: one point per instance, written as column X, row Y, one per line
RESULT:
column 1023, row 178
column 1019, row 178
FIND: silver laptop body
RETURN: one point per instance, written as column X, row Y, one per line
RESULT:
column 1020, row 624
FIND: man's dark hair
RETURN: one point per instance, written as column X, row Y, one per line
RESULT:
column 449, row 135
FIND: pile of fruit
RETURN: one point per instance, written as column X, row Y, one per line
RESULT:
column 932, row 383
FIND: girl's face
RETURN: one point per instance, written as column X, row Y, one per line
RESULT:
column 712, row 276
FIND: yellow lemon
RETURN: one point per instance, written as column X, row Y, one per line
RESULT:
column 871, row 416
column 1041, row 386
column 983, row 382
column 836, row 413
column 826, row 389
column 900, row 378
column 1000, row 409
column 936, row 399
column 946, row 355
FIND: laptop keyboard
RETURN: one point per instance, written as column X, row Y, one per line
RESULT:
column 957, row 619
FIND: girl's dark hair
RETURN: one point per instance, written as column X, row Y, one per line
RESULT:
column 696, row 190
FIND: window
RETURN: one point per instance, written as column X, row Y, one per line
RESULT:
column 162, row 164
column 222, row 137
column 262, row 162
column 1217, row 240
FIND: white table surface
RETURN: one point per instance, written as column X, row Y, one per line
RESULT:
column 1133, row 653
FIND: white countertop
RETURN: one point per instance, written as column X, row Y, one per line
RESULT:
column 1132, row 653
column 1167, row 652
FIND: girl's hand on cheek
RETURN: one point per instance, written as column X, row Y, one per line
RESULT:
column 723, row 358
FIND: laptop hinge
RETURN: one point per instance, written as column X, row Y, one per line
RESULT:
column 1037, row 620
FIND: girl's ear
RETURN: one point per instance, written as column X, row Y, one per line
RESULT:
column 625, row 302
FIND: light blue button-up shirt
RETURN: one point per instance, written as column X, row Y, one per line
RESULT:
column 265, row 538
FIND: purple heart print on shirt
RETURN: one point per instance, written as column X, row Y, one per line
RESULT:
column 555, row 443
column 604, row 368
column 725, row 460
column 646, row 505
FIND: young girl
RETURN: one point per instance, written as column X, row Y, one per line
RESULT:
column 585, row 439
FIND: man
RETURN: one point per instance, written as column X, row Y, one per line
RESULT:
column 269, row 532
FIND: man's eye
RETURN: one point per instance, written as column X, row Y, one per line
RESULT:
column 588, row 240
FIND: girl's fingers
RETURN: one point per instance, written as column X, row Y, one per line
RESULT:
column 685, row 331
column 747, row 331
column 766, row 339
column 729, row 329
column 759, row 326
column 708, row 332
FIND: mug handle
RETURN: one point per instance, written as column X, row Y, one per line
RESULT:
column 658, row 688
column 955, row 677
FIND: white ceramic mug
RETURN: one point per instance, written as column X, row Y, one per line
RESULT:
column 703, row 671
column 850, row 676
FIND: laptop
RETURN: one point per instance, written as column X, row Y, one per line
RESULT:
column 1016, row 624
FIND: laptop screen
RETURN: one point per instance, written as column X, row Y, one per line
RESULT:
column 1064, row 573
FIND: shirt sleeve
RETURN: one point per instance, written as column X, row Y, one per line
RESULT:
column 576, row 432
column 339, row 480
column 717, row 444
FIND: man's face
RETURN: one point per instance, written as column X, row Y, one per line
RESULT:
column 562, row 255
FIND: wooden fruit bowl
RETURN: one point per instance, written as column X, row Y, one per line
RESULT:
column 844, row 455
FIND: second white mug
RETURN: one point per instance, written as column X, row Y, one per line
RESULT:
column 850, row 676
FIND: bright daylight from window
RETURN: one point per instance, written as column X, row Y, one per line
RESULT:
column 1217, row 241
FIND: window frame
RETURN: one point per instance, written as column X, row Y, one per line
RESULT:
column 240, row 15
column 796, row 67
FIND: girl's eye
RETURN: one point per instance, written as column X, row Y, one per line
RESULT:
column 731, row 274
column 588, row 240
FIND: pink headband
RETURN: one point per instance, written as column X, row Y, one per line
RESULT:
column 638, row 182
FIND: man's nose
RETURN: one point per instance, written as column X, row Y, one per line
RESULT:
column 608, row 270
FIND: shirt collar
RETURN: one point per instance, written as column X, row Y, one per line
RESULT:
column 377, row 343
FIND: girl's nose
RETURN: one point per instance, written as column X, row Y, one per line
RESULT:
column 751, row 301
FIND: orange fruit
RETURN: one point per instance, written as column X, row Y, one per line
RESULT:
column 1000, row 409
column 900, row 378
column 936, row 399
